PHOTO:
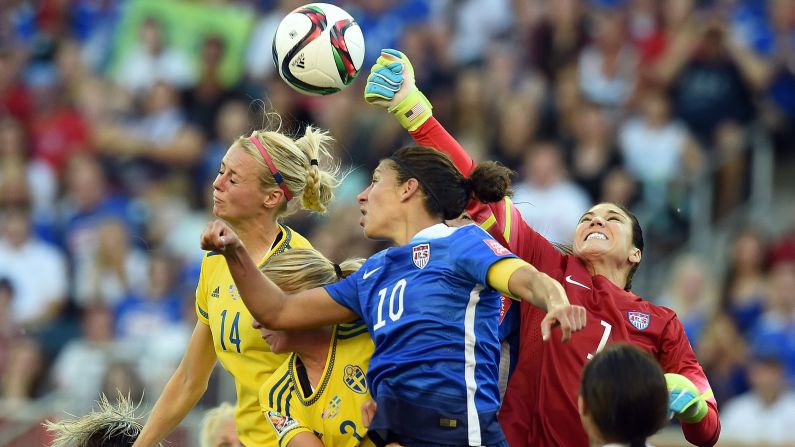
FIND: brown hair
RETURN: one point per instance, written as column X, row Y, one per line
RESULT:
column 637, row 242
column 447, row 191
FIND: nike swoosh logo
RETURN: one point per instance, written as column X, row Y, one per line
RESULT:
column 367, row 274
column 571, row 281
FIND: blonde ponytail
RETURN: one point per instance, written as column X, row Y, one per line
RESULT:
column 306, row 268
column 320, row 184
column 305, row 164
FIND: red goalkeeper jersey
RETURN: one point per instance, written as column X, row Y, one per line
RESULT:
column 540, row 404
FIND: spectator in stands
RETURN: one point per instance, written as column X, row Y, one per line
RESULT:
column 768, row 29
column 20, row 381
column 744, row 292
column 776, row 326
column 27, row 260
column 693, row 293
column 58, row 131
column 152, row 60
column 547, row 200
column 657, row 149
column 156, row 144
column 203, row 101
column 80, row 368
column 115, row 269
column 87, row 202
column 141, row 319
column 8, row 330
column 592, row 154
column 16, row 159
column 765, row 414
column 722, row 352
column 558, row 37
column 608, row 66
column 122, row 380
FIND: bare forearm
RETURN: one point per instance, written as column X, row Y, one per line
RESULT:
column 263, row 298
column 175, row 403
column 537, row 288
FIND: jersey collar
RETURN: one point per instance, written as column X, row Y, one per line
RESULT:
column 436, row 231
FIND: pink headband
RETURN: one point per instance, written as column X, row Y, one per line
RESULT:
column 276, row 174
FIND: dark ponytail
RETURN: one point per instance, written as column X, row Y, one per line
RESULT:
column 491, row 181
column 447, row 191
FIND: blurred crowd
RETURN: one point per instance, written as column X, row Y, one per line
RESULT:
column 108, row 151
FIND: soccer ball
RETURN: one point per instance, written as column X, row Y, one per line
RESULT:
column 318, row 49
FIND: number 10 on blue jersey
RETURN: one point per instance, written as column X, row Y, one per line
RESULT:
column 395, row 304
column 234, row 332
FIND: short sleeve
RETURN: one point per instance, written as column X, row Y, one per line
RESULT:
column 274, row 400
column 474, row 251
column 286, row 427
column 201, row 297
column 346, row 292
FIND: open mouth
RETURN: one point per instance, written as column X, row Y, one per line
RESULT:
column 596, row 235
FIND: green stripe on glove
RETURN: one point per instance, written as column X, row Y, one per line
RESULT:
column 684, row 399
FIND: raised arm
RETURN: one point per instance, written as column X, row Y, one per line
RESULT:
column 516, row 278
column 391, row 85
column 267, row 303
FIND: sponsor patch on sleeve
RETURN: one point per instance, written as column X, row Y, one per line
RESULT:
column 281, row 423
column 495, row 246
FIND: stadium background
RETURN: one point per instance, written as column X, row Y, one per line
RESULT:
column 114, row 116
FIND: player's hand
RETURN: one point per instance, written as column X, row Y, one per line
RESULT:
column 391, row 85
column 685, row 401
column 368, row 412
column 218, row 236
column 570, row 319
column 559, row 311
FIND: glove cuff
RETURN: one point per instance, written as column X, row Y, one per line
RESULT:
column 695, row 413
column 413, row 110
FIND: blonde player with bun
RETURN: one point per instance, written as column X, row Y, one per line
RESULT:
column 218, row 427
column 314, row 398
column 262, row 178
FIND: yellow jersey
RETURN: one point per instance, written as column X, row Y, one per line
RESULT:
column 332, row 411
column 239, row 347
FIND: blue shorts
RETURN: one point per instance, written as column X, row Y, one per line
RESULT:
column 419, row 423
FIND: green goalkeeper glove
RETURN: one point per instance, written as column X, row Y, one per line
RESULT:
column 391, row 85
column 684, row 399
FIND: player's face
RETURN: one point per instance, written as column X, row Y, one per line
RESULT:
column 226, row 435
column 605, row 233
column 378, row 203
column 237, row 193
column 278, row 340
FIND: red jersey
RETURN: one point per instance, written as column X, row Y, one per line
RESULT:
column 540, row 405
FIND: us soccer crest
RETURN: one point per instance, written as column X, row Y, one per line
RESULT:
column 355, row 379
column 638, row 319
column 421, row 254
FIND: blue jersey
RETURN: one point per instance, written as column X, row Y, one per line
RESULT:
column 435, row 325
